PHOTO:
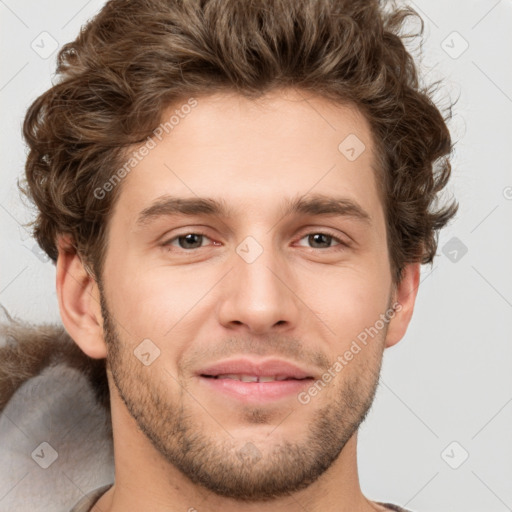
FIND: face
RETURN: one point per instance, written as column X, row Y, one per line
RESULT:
column 274, row 264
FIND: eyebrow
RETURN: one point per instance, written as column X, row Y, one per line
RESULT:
column 312, row 204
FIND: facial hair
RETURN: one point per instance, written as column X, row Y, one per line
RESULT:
column 238, row 468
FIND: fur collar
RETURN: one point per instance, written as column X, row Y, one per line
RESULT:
column 55, row 422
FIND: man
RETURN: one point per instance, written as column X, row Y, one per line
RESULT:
column 289, row 144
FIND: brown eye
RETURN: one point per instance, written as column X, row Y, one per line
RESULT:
column 187, row 241
column 321, row 240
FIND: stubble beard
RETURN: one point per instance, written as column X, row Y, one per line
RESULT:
column 230, row 467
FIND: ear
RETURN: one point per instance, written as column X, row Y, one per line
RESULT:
column 404, row 297
column 79, row 301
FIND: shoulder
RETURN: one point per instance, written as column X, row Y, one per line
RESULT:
column 394, row 508
column 87, row 502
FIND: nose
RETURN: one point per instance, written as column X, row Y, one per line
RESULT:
column 258, row 295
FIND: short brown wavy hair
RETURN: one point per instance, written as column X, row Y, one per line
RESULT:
column 138, row 57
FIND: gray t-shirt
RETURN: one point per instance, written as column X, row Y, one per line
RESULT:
column 88, row 501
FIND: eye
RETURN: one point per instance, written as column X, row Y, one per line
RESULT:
column 194, row 240
column 187, row 241
column 323, row 239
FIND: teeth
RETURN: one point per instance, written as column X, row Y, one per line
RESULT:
column 266, row 379
column 251, row 378
column 229, row 376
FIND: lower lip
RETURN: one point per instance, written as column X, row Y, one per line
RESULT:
column 256, row 391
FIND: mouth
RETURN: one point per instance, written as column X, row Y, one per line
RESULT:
column 252, row 381
column 254, row 378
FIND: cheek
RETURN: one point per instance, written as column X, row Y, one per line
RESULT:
column 158, row 303
column 349, row 301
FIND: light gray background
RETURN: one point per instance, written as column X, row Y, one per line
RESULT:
column 449, row 380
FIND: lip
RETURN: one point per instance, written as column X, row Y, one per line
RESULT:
column 264, row 368
column 256, row 392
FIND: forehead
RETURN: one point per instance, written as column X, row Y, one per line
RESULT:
column 248, row 154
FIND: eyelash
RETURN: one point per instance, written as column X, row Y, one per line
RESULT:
column 167, row 245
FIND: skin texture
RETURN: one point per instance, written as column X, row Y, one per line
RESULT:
column 178, row 444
